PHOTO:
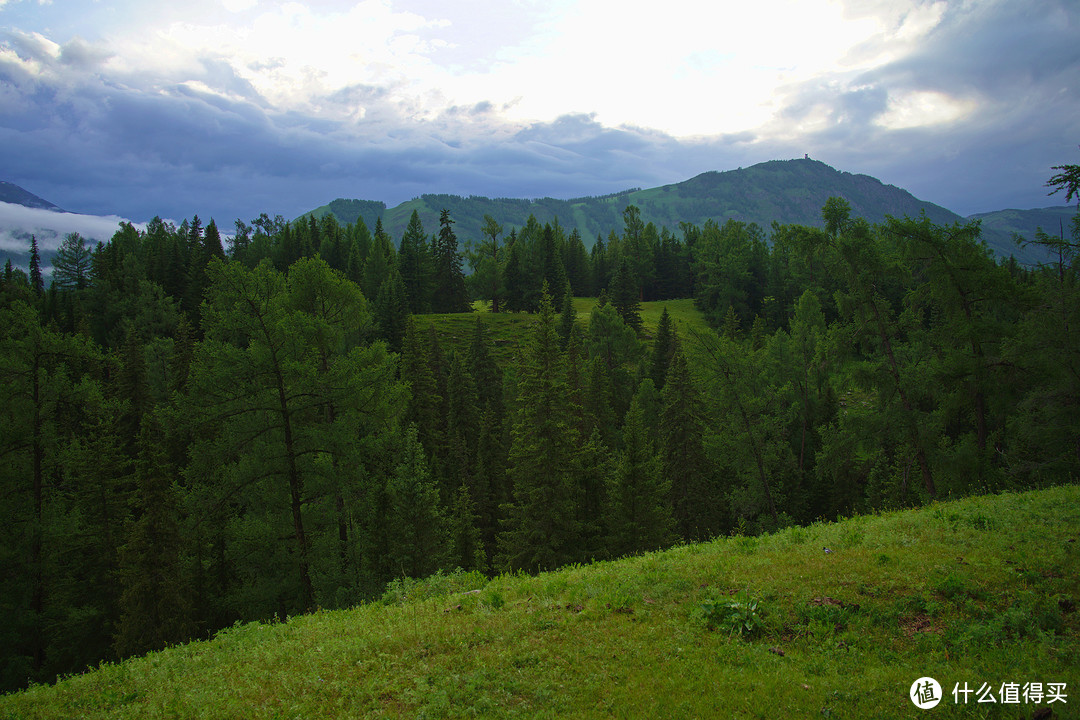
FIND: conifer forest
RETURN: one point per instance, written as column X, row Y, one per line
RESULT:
column 200, row 428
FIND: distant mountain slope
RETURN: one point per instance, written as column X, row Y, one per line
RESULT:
column 785, row 191
column 1008, row 223
column 12, row 193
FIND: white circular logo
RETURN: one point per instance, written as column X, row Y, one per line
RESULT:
column 925, row 693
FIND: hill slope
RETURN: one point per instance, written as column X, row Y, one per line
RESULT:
column 12, row 193
column 785, row 191
column 982, row 590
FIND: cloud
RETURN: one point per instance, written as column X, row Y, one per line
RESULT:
column 281, row 107
column 18, row 223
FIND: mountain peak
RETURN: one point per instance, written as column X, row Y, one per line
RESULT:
column 15, row 195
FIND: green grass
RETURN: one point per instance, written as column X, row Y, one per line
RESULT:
column 510, row 332
column 977, row 590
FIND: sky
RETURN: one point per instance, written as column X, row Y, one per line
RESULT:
column 231, row 108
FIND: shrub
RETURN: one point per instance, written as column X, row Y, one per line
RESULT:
column 738, row 616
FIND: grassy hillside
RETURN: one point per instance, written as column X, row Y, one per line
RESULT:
column 509, row 332
column 785, row 191
column 982, row 590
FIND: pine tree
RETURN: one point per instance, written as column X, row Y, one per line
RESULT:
column 155, row 608
column 392, row 311
column 663, row 350
column 415, row 516
column 423, row 408
column 638, row 515
column 380, row 262
column 450, row 295
column 542, row 528
column 414, row 263
column 567, row 318
column 37, row 283
column 485, row 371
column 212, row 242
column 626, row 296
column 465, row 540
column 71, row 265
column 698, row 508
column 462, row 421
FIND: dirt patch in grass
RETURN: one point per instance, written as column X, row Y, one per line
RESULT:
column 912, row 624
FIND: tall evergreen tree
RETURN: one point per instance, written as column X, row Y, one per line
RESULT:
column 542, row 527
column 698, row 507
column 155, row 605
column 416, row 521
column 567, row 318
column 71, row 265
column 552, row 272
column 37, row 283
column 424, row 405
column 392, row 310
column 638, row 515
column 380, row 262
column 663, row 350
column 626, row 296
column 450, row 295
column 414, row 263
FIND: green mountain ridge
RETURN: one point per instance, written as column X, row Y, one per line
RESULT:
column 784, row 191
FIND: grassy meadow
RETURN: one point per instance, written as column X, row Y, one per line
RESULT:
column 980, row 590
column 510, row 331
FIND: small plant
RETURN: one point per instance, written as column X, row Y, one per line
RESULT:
column 738, row 616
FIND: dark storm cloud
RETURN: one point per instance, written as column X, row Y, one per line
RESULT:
column 1019, row 63
column 136, row 147
column 103, row 147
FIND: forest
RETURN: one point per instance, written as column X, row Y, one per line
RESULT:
column 199, row 431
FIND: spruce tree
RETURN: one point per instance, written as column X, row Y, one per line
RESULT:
column 698, row 506
column 485, row 371
column 462, row 420
column 416, row 520
column 638, row 515
column 450, row 295
column 567, row 318
column 542, row 528
column 379, row 264
column 626, row 296
column 423, row 408
column 37, row 283
column 392, row 311
column 552, row 272
column 155, row 608
column 414, row 263
column 465, row 540
column 663, row 350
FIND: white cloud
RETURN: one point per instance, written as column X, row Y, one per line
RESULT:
column 236, row 6
column 923, row 108
column 17, row 223
column 682, row 67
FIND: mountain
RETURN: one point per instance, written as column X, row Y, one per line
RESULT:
column 785, row 191
column 15, row 195
column 1009, row 223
